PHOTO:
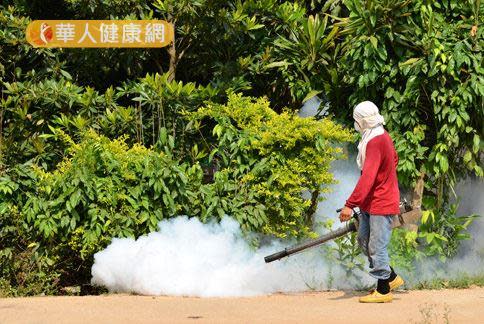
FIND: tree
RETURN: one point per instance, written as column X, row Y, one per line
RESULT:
column 426, row 73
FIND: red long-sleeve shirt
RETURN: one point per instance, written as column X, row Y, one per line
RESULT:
column 377, row 189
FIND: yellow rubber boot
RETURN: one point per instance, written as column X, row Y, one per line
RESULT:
column 376, row 297
column 395, row 283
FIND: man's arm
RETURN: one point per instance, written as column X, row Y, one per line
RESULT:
column 368, row 176
column 366, row 181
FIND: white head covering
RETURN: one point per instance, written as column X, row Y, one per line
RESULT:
column 369, row 123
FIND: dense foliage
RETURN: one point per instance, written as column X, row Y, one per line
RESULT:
column 105, row 188
column 96, row 143
column 269, row 159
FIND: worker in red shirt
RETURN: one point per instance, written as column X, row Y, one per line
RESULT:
column 377, row 196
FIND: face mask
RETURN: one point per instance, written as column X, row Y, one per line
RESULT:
column 357, row 127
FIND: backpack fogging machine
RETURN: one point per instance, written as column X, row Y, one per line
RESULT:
column 407, row 216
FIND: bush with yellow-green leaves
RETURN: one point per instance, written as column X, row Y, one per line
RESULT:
column 271, row 158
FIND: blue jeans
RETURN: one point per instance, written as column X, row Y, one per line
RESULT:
column 374, row 234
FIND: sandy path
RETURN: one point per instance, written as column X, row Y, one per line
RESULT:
column 461, row 306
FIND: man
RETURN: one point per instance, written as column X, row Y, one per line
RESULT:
column 377, row 196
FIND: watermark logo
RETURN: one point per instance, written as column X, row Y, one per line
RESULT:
column 99, row 33
column 40, row 36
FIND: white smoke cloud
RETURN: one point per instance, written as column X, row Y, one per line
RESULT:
column 188, row 258
column 347, row 174
column 470, row 257
column 469, row 260
column 314, row 106
column 470, row 193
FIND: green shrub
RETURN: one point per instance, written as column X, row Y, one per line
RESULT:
column 105, row 189
column 268, row 159
column 403, row 249
column 24, row 270
column 33, row 109
column 442, row 231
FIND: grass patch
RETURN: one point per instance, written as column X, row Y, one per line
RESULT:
column 463, row 281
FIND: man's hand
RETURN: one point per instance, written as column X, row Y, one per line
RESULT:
column 345, row 214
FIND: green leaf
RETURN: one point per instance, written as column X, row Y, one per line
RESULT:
column 476, row 142
column 426, row 215
column 429, row 237
column 66, row 74
column 311, row 94
column 444, row 163
column 277, row 64
column 374, row 41
column 410, row 61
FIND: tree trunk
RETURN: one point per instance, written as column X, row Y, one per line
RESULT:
column 418, row 191
column 417, row 195
column 173, row 62
column 312, row 208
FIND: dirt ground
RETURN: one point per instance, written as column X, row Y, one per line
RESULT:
column 429, row 306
